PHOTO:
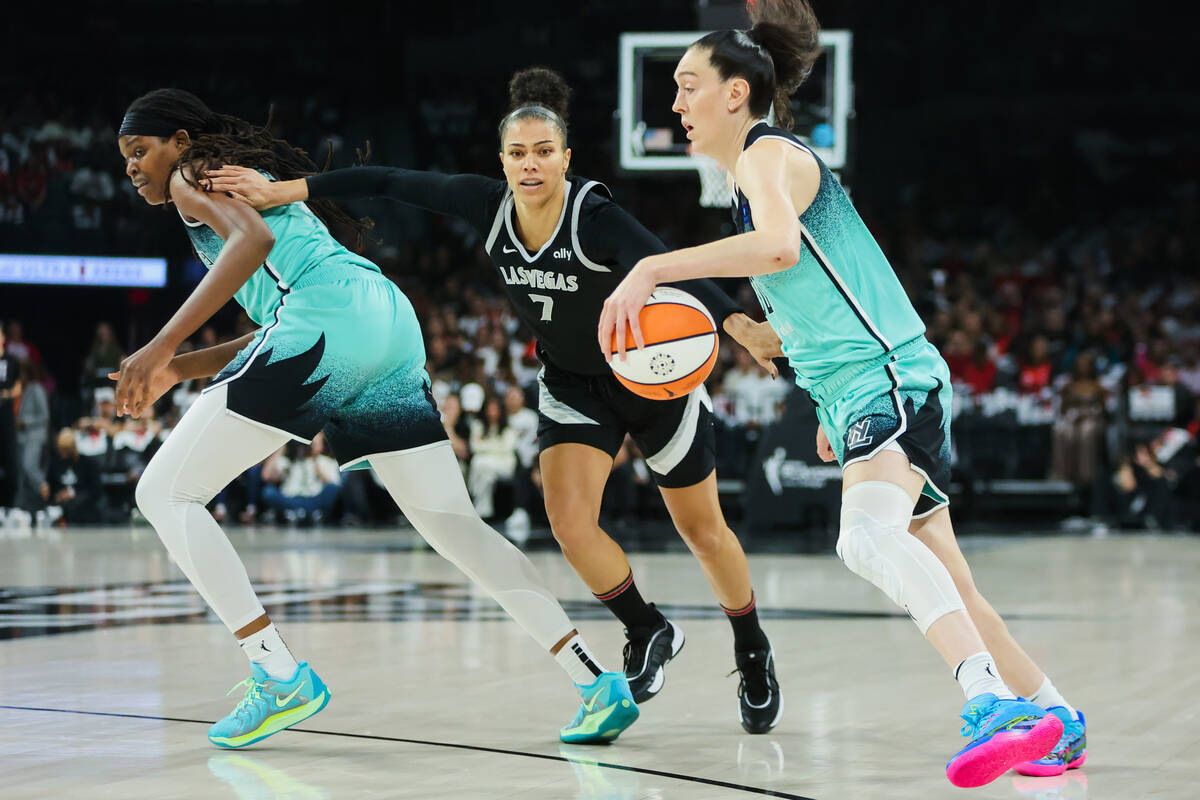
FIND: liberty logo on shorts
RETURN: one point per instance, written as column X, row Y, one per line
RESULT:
column 857, row 437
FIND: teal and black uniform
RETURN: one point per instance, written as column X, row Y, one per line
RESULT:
column 854, row 339
column 338, row 348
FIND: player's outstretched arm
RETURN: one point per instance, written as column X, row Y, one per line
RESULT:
column 464, row 196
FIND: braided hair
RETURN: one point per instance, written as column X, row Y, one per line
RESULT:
column 218, row 139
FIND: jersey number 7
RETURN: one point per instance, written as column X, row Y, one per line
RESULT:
column 547, row 305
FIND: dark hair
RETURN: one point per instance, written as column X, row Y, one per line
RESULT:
column 537, row 93
column 218, row 139
column 775, row 56
column 502, row 422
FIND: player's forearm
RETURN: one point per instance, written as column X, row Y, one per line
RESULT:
column 209, row 361
column 744, row 255
column 431, row 191
column 283, row 192
column 242, row 255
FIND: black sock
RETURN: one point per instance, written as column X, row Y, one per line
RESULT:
column 625, row 601
column 747, row 633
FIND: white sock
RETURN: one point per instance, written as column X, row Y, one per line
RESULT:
column 978, row 675
column 266, row 648
column 1048, row 696
column 578, row 661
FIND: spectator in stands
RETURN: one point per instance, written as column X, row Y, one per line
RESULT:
column 73, row 486
column 1169, row 375
column 957, row 352
column 1077, row 451
column 1036, row 372
column 456, row 428
column 1143, row 492
column 17, row 345
column 104, row 357
column 524, row 422
column 308, row 485
column 754, row 395
column 33, row 431
column 979, row 373
column 94, row 432
column 1189, row 369
column 10, row 389
column 493, row 456
column 133, row 443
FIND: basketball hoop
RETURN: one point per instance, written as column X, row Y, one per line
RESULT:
column 714, row 185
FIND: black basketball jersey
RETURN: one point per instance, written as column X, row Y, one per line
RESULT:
column 558, row 291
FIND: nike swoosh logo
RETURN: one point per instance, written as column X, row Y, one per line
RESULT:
column 591, row 706
column 508, row 249
column 281, row 703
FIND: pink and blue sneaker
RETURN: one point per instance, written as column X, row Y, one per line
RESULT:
column 1069, row 753
column 1003, row 733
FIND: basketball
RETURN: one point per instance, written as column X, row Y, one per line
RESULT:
column 680, row 351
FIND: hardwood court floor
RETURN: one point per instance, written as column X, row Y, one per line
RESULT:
column 110, row 671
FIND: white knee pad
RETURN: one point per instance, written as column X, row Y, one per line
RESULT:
column 875, row 544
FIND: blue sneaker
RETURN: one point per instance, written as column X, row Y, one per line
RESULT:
column 607, row 709
column 1069, row 753
column 269, row 706
column 1003, row 733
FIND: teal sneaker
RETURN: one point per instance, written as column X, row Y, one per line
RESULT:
column 607, row 709
column 269, row 706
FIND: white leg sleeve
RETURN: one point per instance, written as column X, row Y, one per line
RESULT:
column 428, row 486
column 875, row 544
column 207, row 450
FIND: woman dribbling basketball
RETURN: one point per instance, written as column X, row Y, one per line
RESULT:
column 858, row 347
column 560, row 245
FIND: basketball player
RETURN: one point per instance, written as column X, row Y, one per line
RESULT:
column 560, row 245
column 339, row 349
column 858, row 347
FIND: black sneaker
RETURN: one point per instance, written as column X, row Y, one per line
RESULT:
column 760, row 703
column 646, row 652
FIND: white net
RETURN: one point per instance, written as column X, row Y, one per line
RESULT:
column 714, row 186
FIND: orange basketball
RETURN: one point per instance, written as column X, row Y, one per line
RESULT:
column 680, row 351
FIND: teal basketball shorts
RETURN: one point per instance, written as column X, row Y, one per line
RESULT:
column 898, row 401
column 343, row 354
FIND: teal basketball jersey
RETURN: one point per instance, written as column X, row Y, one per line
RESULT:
column 841, row 303
column 302, row 245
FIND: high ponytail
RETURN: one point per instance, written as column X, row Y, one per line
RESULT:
column 538, row 93
column 775, row 56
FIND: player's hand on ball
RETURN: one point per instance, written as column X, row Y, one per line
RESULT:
column 245, row 184
column 824, row 449
column 622, row 308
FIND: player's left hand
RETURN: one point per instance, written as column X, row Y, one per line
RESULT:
column 623, row 308
column 143, row 378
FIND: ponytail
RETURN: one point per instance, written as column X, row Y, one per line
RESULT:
column 775, row 56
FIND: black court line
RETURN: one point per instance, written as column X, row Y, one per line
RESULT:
column 453, row 745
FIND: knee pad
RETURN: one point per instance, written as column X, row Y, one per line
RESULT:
column 875, row 544
column 150, row 494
